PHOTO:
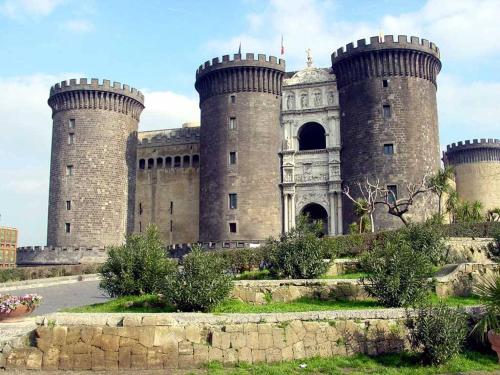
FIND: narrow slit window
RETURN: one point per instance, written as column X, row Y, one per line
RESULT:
column 232, row 123
column 171, row 207
column 68, row 205
column 387, row 110
column 385, row 83
column 140, row 208
column 389, row 149
column 232, row 227
column 232, row 157
column 392, row 195
column 71, row 138
column 233, row 99
column 71, row 123
column 67, row 227
column 142, row 164
column 69, row 170
column 233, row 201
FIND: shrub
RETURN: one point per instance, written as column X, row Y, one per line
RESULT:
column 486, row 229
column 439, row 331
column 242, row 260
column 297, row 254
column 397, row 274
column 138, row 267
column 488, row 291
column 201, row 283
column 427, row 239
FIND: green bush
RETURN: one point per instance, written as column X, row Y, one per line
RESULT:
column 297, row 254
column 486, row 229
column 242, row 260
column 428, row 239
column 439, row 331
column 201, row 283
column 397, row 273
column 138, row 267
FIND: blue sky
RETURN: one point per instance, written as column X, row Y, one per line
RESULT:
column 156, row 46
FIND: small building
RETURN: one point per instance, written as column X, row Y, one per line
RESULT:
column 8, row 246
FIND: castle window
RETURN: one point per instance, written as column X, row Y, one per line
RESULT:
column 196, row 161
column 68, row 205
column 387, row 110
column 388, row 149
column 171, row 226
column 233, row 99
column 151, row 163
column 232, row 157
column 67, row 227
column 232, row 123
column 69, row 170
column 71, row 138
column 232, row 227
column 71, row 123
column 168, row 162
column 140, row 227
column 140, row 208
column 385, row 83
column 186, row 161
column 311, row 136
column 177, row 162
column 159, row 163
column 171, row 207
column 142, row 164
column 392, row 193
column 233, row 201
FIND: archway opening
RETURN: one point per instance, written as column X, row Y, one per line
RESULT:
column 311, row 136
column 315, row 212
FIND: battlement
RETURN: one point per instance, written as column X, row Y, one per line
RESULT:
column 238, row 60
column 95, row 85
column 479, row 150
column 175, row 136
column 388, row 42
column 31, row 255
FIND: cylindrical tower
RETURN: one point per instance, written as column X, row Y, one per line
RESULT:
column 239, row 144
column 477, row 170
column 92, row 170
column 389, row 122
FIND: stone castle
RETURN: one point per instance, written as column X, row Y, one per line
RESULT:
column 272, row 144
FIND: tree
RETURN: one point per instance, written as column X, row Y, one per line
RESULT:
column 440, row 184
column 365, row 206
column 400, row 207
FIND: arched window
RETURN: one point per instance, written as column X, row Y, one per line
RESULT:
column 311, row 136
column 159, row 163
column 151, row 163
column 168, row 162
column 177, row 162
column 142, row 164
column 316, row 212
column 196, row 161
column 186, row 161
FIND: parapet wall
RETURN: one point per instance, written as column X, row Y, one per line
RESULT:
column 479, row 150
column 239, row 61
column 94, row 84
column 47, row 255
column 163, row 137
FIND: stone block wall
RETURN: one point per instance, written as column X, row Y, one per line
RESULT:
column 466, row 249
column 265, row 291
column 463, row 278
column 46, row 255
column 170, row 341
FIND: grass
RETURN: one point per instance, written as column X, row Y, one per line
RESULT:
column 388, row 364
column 150, row 303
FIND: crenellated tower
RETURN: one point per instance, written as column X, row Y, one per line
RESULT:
column 389, row 121
column 476, row 166
column 93, row 162
column 240, row 102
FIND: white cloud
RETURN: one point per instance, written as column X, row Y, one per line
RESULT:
column 467, row 110
column 79, row 26
column 166, row 109
column 31, row 8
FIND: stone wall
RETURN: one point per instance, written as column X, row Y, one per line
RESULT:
column 265, row 291
column 183, row 340
column 46, row 255
column 467, row 249
column 463, row 278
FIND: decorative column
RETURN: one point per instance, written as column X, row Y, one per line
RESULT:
column 285, row 213
column 332, row 220
column 339, row 213
column 292, row 209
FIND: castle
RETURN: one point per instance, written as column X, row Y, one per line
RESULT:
column 272, row 144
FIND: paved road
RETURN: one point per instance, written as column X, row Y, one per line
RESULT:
column 58, row 297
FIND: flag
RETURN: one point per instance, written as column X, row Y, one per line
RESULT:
column 239, row 49
column 282, row 46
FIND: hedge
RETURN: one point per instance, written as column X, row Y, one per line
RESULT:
column 42, row 272
column 486, row 229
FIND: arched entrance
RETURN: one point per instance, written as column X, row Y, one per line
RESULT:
column 311, row 136
column 316, row 212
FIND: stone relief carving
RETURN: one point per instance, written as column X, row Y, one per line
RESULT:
column 334, row 172
column 331, row 98
column 288, row 176
column 303, row 198
column 304, row 100
column 317, row 99
column 290, row 101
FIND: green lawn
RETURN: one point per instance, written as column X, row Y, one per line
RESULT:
column 149, row 303
column 390, row 364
